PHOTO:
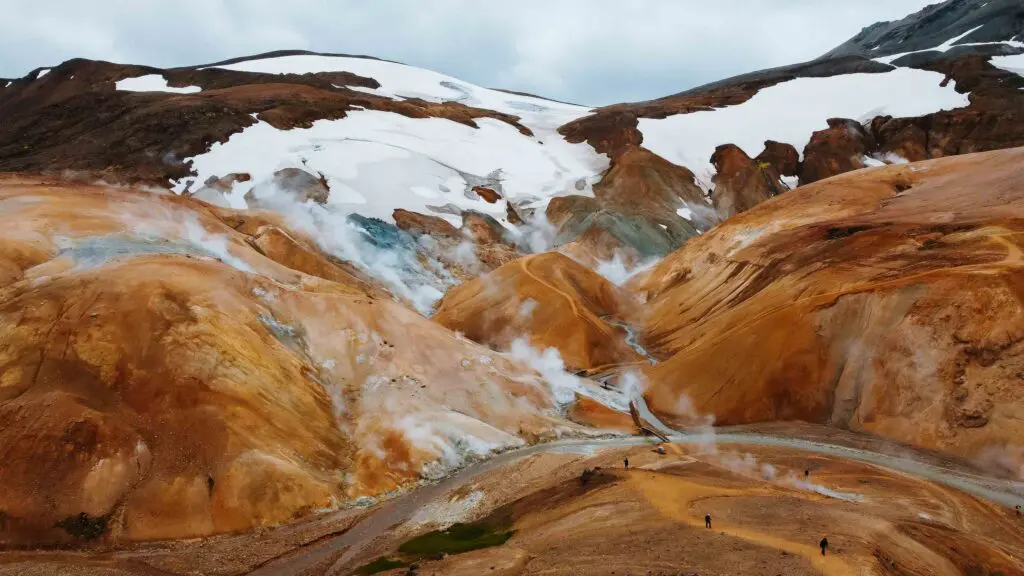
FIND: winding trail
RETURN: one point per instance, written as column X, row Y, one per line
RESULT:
column 346, row 547
column 673, row 498
column 585, row 315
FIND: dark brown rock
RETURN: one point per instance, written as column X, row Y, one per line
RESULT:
column 783, row 157
column 740, row 182
column 901, row 137
column 838, row 149
column 512, row 213
column 482, row 229
column 490, row 196
column 419, row 224
column 561, row 208
column 608, row 133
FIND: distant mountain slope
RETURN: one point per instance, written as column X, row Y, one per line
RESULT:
column 382, row 136
column 964, row 22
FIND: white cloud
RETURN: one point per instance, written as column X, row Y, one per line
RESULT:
column 587, row 51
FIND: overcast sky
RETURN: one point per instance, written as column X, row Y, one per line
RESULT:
column 585, row 51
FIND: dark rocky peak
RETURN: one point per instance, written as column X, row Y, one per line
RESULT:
column 966, row 21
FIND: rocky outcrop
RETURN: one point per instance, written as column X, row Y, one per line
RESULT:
column 974, row 21
column 295, row 184
column 781, row 156
column 838, row 149
column 901, row 138
column 420, row 224
column 490, row 196
column 741, row 183
column 854, row 303
column 482, row 228
column 636, row 208
column 609, row 133
column 215, row 188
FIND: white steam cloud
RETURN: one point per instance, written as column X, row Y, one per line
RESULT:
column 564, row 386
column 618, row 270
column 386, row 259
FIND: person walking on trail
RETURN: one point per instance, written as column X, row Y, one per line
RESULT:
column 824, row 545
column 707, row 520
column 807, row 472
column 625, row 462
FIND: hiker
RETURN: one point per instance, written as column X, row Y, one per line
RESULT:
column 1017, row 508
column 824, row 545
column 707, row 520
column 807, row 472
column 625, row 462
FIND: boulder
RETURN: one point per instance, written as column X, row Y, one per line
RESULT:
column 781, row 156
column 490, row 196
column 419, row 224
column 290, row 183
column 482, row 228
column 740, row 182
column 840, row 148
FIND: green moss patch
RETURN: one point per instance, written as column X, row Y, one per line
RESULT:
column 457, row 539
column 380, row 565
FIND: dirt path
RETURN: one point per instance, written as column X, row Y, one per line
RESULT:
column 672, row 496
column 339, row 552
column 585, row 315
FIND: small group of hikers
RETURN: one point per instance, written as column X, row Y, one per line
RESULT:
column 823, row 544
column 707, row 517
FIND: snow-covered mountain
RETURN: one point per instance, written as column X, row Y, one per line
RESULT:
column 376, row 162
column 378, row 137
column 385, row 135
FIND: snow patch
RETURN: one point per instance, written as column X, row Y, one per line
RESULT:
column 948, row 45
column 402, row 81
column 42, row 73
column 376, row 162
column 1013, row 64
column 152, row 83
column 379, row 161
column 791, row 111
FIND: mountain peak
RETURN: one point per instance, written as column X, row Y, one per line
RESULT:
column 957, row 22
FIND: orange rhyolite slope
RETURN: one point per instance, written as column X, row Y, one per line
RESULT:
column 886, row 300
column 169, row 370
